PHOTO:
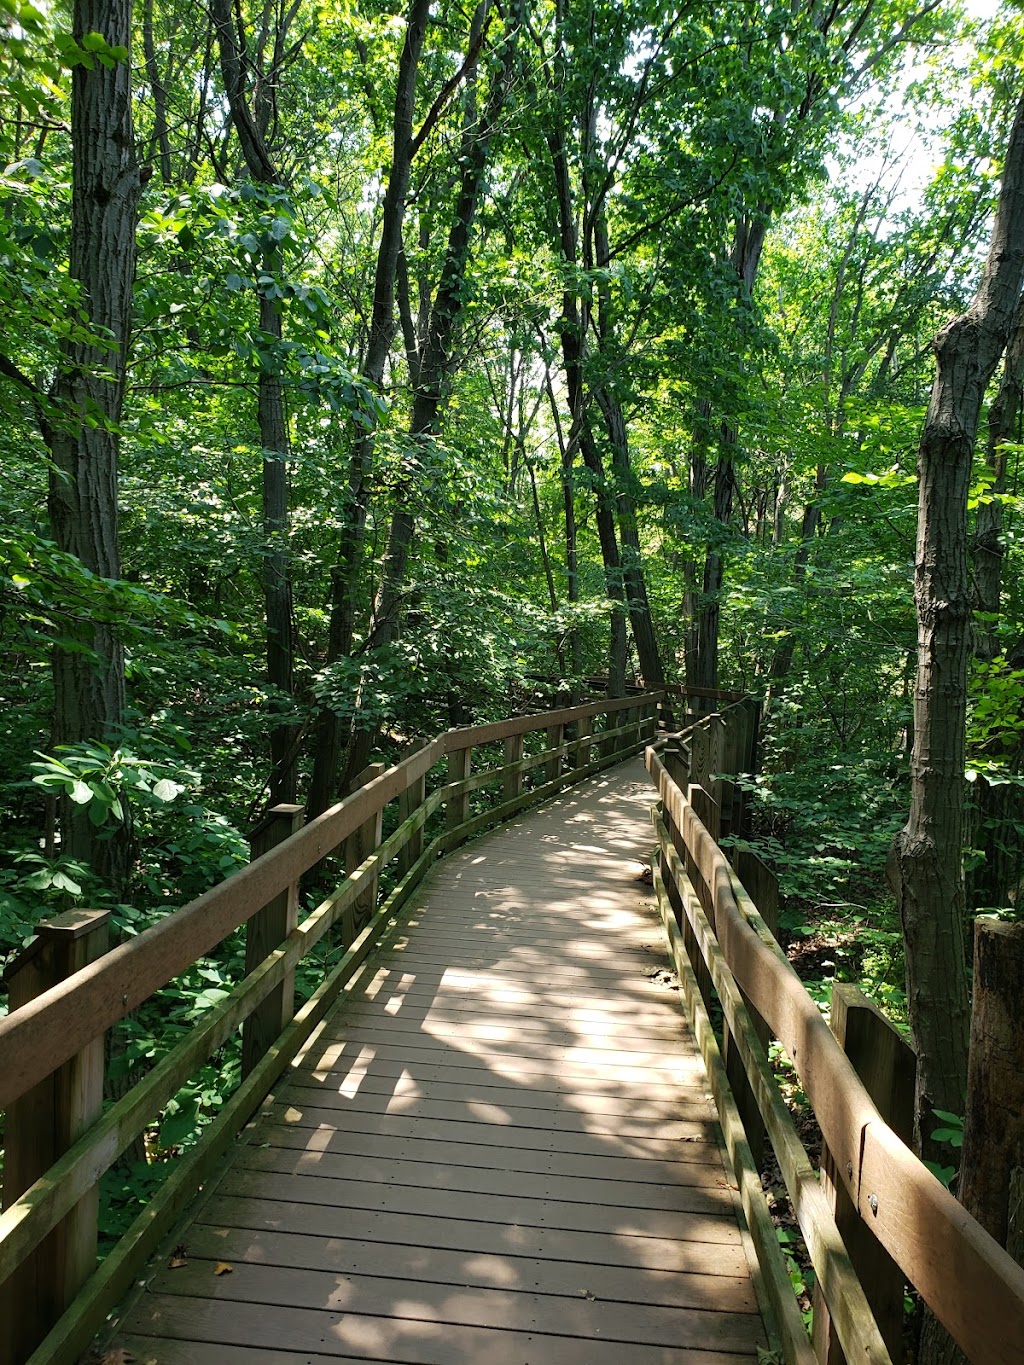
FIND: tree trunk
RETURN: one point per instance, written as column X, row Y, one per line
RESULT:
column 325, row 779
column 572, row 329
column 709, row 614
column 926, row 865
column 436, row 362
column 1003, row 423
column 273, row 426
column 993, row 1149
column 634, row 581
column 748, row 243
column 89, row 690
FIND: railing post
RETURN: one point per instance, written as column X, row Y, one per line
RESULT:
column 408, row 801
column 553, row 767
column 886, row 1064
column 41, row 1126
column 677, row 765
column 358, row 846
column 584, row 729
column 459, row 763
column 266, row 930
column 513, row 783
column 607, row 747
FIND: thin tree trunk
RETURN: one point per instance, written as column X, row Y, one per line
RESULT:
column 437, row 361
column 1003, row 423
column 634, row 581
column 748, row 243
column 327, row 756
column 572, row 328
column 272, row 421
column 572, row 567
column 996, row 809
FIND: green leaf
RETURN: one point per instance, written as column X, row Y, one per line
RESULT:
column 81, row 793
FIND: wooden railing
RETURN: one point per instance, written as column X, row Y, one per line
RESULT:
column 875, row 1200
column 60, row 1141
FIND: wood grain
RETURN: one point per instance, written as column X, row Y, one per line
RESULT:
column 502, row 1152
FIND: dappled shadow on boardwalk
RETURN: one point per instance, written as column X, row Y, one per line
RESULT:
column 502, row 1153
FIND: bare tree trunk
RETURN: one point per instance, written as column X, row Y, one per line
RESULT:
column 435, row 365
column 926, row 863
column 748, row 243
column 634, row 581
column 325, row 778
column 251, row 113
column 89, row 690
column 1003, row 423
column 996, row 809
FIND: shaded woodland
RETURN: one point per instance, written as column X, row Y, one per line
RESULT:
column 371, row 371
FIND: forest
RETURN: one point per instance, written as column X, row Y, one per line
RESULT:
column 369, row 370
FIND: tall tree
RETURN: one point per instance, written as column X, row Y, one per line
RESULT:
column 254, row 113
column 926, row 861
column 344, row 576
column 433, row 359
column 88, row 391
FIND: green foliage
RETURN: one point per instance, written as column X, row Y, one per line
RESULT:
column 950, row 1134
column 103, row 779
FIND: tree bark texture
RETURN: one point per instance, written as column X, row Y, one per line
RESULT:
column 325, row 778
column 748, row 243
column 926, row 864
column 272, row 421
column 572, row 328
column 89, row 390
column 1003, row 426
column 634, row 580
column 993, row 1147
column 436, row 361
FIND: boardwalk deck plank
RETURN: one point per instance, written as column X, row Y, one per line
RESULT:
column 501, row 1152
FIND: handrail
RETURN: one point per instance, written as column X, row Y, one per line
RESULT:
column 40, row 1036
column 972, row 1285
column 52, row 1029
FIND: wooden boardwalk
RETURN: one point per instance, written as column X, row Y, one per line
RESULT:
column 501, row 1154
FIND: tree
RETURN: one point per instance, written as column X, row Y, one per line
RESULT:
column 88, row 390
column 253, row 119
column 926, row 862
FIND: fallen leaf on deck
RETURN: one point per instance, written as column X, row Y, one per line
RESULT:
column 117, row 1356
column 222, row 1268
column 176, row 1262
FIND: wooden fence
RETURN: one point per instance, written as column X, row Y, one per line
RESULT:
column 67, row 990
column 877, row 1217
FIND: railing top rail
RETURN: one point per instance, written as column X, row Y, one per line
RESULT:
column 45, row 1033
column 972, row 1284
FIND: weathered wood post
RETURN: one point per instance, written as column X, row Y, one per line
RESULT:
column 409, row 801
column 41, row 1126
column 266, row 930
column 994, row 1125
column 584, row 730
column 553, row 766
column 363, row 841
column 886, row 1064
column 459, row 766
column 512, row 786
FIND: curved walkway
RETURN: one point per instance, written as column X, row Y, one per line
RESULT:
column 500, row 1154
